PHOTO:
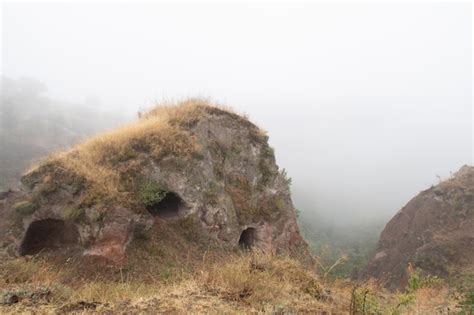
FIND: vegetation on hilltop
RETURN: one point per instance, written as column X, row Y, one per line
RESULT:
column 108, row 166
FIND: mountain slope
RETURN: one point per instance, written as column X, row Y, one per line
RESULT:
column 434, row 233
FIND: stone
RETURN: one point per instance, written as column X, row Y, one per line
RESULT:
column 193, row 160
column 416, row 238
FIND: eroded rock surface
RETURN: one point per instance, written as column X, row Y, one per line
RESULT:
column 434, row 233
column 192, row 160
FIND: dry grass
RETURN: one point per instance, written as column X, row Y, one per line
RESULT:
column 115, row 292
column 258, row 279
column 235, row 283
column 429, row 299
column 101, row 162
column 90, row 159
column 31, row 271
column 246, row 282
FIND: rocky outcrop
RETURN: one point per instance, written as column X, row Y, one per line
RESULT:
column 190, row 161
column 433, row 233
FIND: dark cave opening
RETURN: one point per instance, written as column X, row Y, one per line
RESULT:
column 169, row 207
column 48, row 234
column 247, row 238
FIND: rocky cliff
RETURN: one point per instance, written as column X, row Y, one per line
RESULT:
column 433, row 233
column 182, row 166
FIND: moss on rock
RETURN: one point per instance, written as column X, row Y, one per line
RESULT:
column 25, row 207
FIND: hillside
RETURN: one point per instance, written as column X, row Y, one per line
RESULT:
column 433, row 233
column 188, row 164
column 183, row 211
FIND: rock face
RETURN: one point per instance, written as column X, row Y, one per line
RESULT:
column 192, row 161
column 433, row 233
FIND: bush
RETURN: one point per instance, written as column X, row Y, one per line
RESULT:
column 25, row 207
column 152, row 193
column 74, row 214
column 285, row 176
column 466, row 289
column 417, row 281
column 364, row 300
column 467, row 303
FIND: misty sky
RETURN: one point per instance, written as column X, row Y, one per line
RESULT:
column 364, row 104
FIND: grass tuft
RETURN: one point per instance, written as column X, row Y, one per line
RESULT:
column 74, row 214
column 25, row 207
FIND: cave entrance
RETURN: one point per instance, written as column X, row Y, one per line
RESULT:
column 48, row 234
column 247, row 238
column 169, row 207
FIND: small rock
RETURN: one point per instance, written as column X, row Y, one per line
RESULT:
column 4, row 194
column 12, row 299
column 80, row 306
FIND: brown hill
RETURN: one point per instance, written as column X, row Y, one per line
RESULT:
column 433, row 233
column 151, row 218
column 194, row 168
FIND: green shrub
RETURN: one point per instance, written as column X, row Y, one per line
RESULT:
column 267, row 157
column 467, row 303
column 151, row 193
column 285, row 176
column 236, row 148
column 74, row 214
column 403, row 300
column 417, row 281
column 364, row 300
column 25, row 207
column 465, row 286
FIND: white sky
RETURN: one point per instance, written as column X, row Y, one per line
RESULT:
column 364, row 103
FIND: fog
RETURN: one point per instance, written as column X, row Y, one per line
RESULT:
column 365, row 105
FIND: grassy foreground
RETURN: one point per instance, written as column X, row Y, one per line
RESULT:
column 237, row 282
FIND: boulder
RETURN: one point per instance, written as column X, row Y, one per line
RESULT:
column 191, row 160
column 433, row 233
